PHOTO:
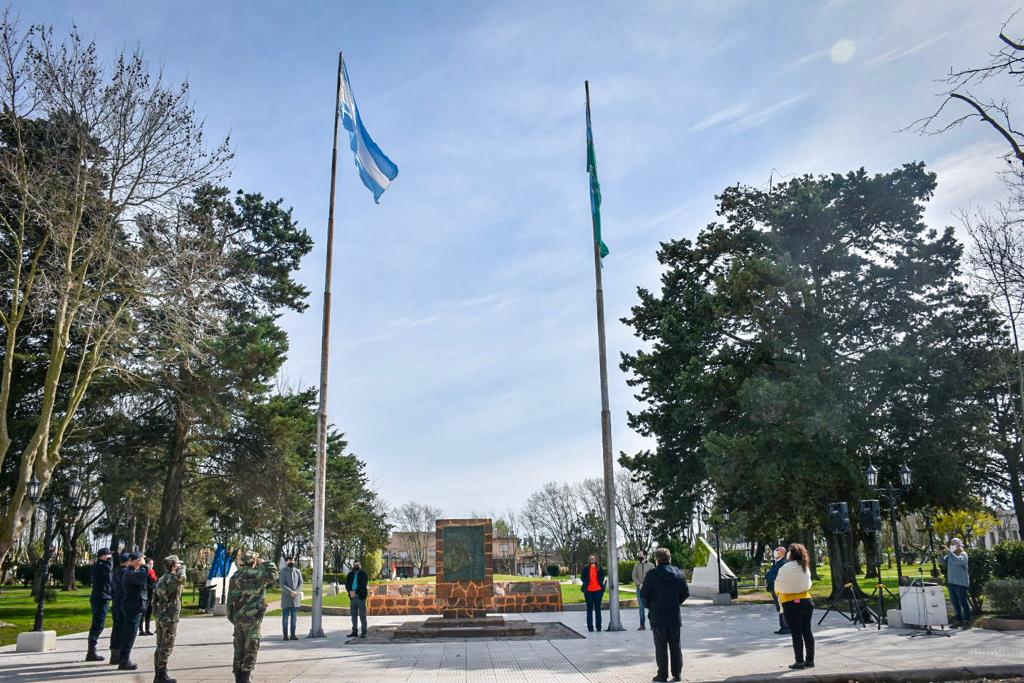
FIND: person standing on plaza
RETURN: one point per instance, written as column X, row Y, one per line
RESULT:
column 355, row 584
column 291, row 595
column 99, row 600
column 167, row 605
column 793, row 585
column 664, row 591
column 958, row 580
column 594, row 582
column 149, row 599
column 769, row 580
column 134, row 600
column 640, row 571
column 115, row 608
column 247, row 603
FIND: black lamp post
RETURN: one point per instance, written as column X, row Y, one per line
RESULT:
column 893, row 494
column 34, row 491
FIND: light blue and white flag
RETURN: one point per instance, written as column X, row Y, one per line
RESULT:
column 375, row 169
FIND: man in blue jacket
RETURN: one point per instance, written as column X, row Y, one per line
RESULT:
column 769, row 580
column 664, row 592
column 115, row 608
column 99, row 601
column 134, row 598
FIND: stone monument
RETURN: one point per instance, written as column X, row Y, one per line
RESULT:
column 704, row 583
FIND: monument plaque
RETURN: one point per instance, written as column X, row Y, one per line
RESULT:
column 464, row 553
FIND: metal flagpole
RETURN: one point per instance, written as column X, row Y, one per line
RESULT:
column 320, row 490
column 614, row 623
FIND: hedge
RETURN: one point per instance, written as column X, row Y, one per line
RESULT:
column 1009, row 560
column 626, row 571
column 1006, row 597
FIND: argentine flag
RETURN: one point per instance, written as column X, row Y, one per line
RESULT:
column 375, row 169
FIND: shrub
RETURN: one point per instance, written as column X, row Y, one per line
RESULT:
column 981, row 565
column 626, row 571
column 552, row 570
column 683, row 555
column 1006, row 597
column 739, row 561
column 1009, row 560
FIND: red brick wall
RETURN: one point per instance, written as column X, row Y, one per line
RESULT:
column 509, row 597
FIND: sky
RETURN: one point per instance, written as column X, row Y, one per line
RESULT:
column 464, row 365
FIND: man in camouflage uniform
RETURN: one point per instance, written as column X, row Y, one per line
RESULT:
column 247, row 602
column 167, row 607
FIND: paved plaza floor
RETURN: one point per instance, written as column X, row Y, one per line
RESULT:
column 719, row 643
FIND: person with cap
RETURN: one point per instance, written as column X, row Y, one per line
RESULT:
column 115, row 608
column 167, row 607
column 355, row 584
column 958, row 580
column 291, row 597
column 134, row 599
column 769, row 581
column 247, row 603
column 99, row 600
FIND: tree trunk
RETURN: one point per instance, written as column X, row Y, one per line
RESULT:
column 145, row 537
column 70, row 559
column 173, row 500
column 1013, row 472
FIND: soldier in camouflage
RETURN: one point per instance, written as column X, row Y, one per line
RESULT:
column 167, row 607
column 247, row 602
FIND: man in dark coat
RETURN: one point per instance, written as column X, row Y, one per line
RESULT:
column 99, row 600
column 769, row 581
column 134, row 600
column 664, row 591
column 355, row 584
column 115, row 608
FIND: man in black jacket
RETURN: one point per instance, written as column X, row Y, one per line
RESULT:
column 769, row 581
column 115, row 608
column 664, row 591
column 134, row 582
column 355, row 584
column 99, row 600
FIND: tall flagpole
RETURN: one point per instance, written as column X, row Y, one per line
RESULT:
column 320, row 491
column 614, row 623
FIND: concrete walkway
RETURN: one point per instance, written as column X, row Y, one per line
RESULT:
column 719, row 643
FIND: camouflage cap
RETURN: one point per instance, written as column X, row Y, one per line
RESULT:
column 171, row 560
column 247, row 556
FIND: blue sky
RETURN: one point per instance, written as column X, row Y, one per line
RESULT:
column 464, row 362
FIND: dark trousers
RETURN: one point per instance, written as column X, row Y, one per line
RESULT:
column 666, row 645
column 149, row 613
column 961, row 605
column 100, row 607
column 782, row 620
column 115, row 628
column 798, row 615
column 593, row 608
column 130, row 620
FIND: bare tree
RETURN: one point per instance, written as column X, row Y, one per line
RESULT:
column 996, row 263
column 418, row 521
column 84, row 150
column 552, row 512
column 963, row 89
column 632, row 504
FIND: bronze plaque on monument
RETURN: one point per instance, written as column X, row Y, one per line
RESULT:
column 464, row 553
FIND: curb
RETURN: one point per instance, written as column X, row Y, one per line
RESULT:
column 904, row 676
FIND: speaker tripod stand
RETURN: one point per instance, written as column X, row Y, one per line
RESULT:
column 858, row 606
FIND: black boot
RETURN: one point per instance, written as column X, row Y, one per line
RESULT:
column 127, row 665
column 243, row 676
column 91, row 656
column 115, row 656
column 162, row 677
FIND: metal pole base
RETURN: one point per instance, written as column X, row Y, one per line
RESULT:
column 316, row 633
column 615, row 626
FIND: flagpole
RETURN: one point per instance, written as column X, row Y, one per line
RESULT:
column 320, row 490
column 614, row 623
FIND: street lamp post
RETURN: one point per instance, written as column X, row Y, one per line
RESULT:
column 893, row 494
column 34, row 490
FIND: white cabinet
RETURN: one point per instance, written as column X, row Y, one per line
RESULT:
column 924, row 605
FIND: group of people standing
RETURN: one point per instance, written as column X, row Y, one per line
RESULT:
column 132, row 594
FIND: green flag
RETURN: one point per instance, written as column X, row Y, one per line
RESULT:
column 595, row 186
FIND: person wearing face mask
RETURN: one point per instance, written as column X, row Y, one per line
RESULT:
column 291, row 596
column 640, row 571
column 355, row 584
column 958, row 580
column 594, row 582
column 769, row 580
